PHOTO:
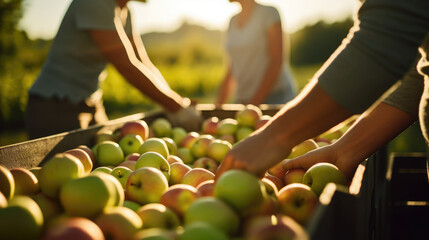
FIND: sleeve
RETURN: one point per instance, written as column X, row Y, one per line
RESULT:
column 270, row 17
column 95, row 14
column 379, row 50
column 406, row 96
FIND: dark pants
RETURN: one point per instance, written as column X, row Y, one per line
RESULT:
column 51, row 116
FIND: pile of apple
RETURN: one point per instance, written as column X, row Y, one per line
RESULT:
column 157, row 182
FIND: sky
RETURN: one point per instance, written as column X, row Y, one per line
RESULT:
column 42, row 18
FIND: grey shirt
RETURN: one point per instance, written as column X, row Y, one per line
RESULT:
column 247, row 48
column 74, row 65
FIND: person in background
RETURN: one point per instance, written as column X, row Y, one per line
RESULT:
column 379, row 50
column 257, row 72
column 66, row 95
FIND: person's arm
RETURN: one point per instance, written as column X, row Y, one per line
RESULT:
column 308, row 115
column 226, row 87
column 275, row 53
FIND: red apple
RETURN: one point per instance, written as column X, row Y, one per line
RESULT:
column 206, row 163
column 294, row 176
column 26, row 182
column 89, row 152
column 132, row 157
column 129, row 164
column 179, row 197
column 278, row 171
column 189, row 140
column 138, row 127
column 84, row 157
column 278, row 182
column 273, row 227
column 173, row 158
column 228, row 137
column 205, row 189
column 177, row 171
column 196, row 176
column 209, row 126
column 7, row 183
column 73, row 228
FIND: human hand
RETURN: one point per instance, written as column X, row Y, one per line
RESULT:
column 188, row 117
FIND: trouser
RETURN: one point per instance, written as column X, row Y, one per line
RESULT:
column 46, row 117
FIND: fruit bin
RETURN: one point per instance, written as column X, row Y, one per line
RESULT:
column 356, row 212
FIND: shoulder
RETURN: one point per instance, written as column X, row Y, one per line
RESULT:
column 269, row 10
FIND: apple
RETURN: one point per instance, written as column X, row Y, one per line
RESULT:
column 294, row 176
column 228, row 137
column 177, row 171
column 248, row 116
column 104, row 169
column 157, row 215
column 186, row 155
column 278, row 171
column 119, row 223
column 298, row 201
column 205, row 189
column 50, row 207
column 206, row 163
column 26, row 182
column 161, row 127
column 7, row 183
column 138, row 127
column 130, row 143
column 154, row 145
column 88, row 150
column 156, row 160
column 270, row 187
column 84, row 157
column 108, row 153
column 104, row 135
column 146, row 185
column 128, row 164
column 156, row 234
column 171, row 145
column 21, row 219
column 218, row 149
column 202, row 230
column 173, row 158
column 196, row 176
column 209, row 126
column 121, row 173
column 189, row 140
column 87, row 196
column 275, row 226
column 178, row 134
column 227, row 126
column 302, row 148
column 278, row 182
column 243, row 132
column 240, row 189
column 262, row 121
column 36, row 171
column 320, row 174
column 331, row 134
column 132, row 157
column 179, row 197
column 73, row 228
column 200, row 146
column 3, row 201
column 117, row 191
column 132, row 205
column 215, row 212
column 57, row 171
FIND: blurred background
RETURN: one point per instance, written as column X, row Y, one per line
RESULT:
column 184, row 39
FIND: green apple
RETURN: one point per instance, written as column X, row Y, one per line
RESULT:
column 161, row 127
column 227, row 126
column 57, row 171
column 178, row 134
column 196, row 176
column 154, row 145
column 302, row 148
column 320, row 174
column 108, row 153
column 73, row 228
column 248, row 116
column 157, row 215
column 115, row 187
column 156, row 160
column 132, row 205
column 218, row 149
column 138, row 127
column 177, row 171
column 200, row 146
column 121, row 173
column 240, row 189
column 26, row 182
column 298, row 201
column 206, row 163
column 202, row 230
column 215, row 212
column 146, row 185
column 171, row 145
column 21, row 219
column 119, row 223
column 130, row 143
column 179, row 197
column 104, row 169
column 7, row 183
column 87, row 196
column 156, row 234
column 186, row 155
column 83, row 156
column 243, row 132
column 50, row 207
